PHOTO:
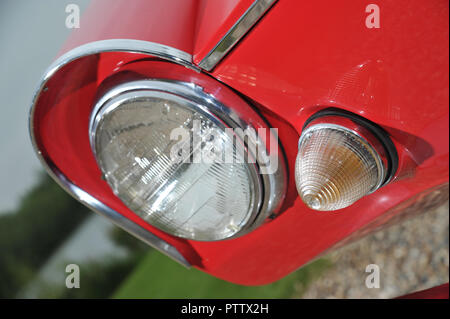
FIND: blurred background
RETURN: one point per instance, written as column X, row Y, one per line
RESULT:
column 42, row 229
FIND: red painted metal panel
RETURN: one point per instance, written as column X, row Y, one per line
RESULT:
column 306, row 55
column 168, row 22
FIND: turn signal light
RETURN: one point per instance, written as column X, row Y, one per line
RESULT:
column 341, row 158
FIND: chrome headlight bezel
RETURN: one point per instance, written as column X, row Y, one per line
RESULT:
column 269, row 188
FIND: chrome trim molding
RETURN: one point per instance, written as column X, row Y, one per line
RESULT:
column 121, row 221
column 237, row 31
column 122, row 45
column 114, row 45
column 270, row 188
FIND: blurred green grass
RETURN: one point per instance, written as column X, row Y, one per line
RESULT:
column 157, row 276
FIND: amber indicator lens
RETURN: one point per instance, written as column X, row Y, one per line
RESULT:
column 335, row 167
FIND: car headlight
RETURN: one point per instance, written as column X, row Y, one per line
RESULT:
column 183, row 161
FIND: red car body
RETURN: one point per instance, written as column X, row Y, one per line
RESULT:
column 300, row 57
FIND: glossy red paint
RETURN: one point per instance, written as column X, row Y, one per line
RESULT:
column 301, row 57
column 396, row 76
column 193, row 26
column 438, row 292
column 171, row 23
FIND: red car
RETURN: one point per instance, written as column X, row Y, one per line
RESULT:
column 248, row 137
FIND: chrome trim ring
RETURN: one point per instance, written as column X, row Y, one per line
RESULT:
column 269, row 188
column 123, row 45
column 114, row 45
column 236, row 33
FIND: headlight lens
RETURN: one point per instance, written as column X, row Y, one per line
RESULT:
column 181, row 183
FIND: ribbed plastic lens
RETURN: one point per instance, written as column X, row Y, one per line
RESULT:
column 335, row 167
column 202, row 201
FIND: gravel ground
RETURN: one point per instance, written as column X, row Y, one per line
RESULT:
column 411, row 256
